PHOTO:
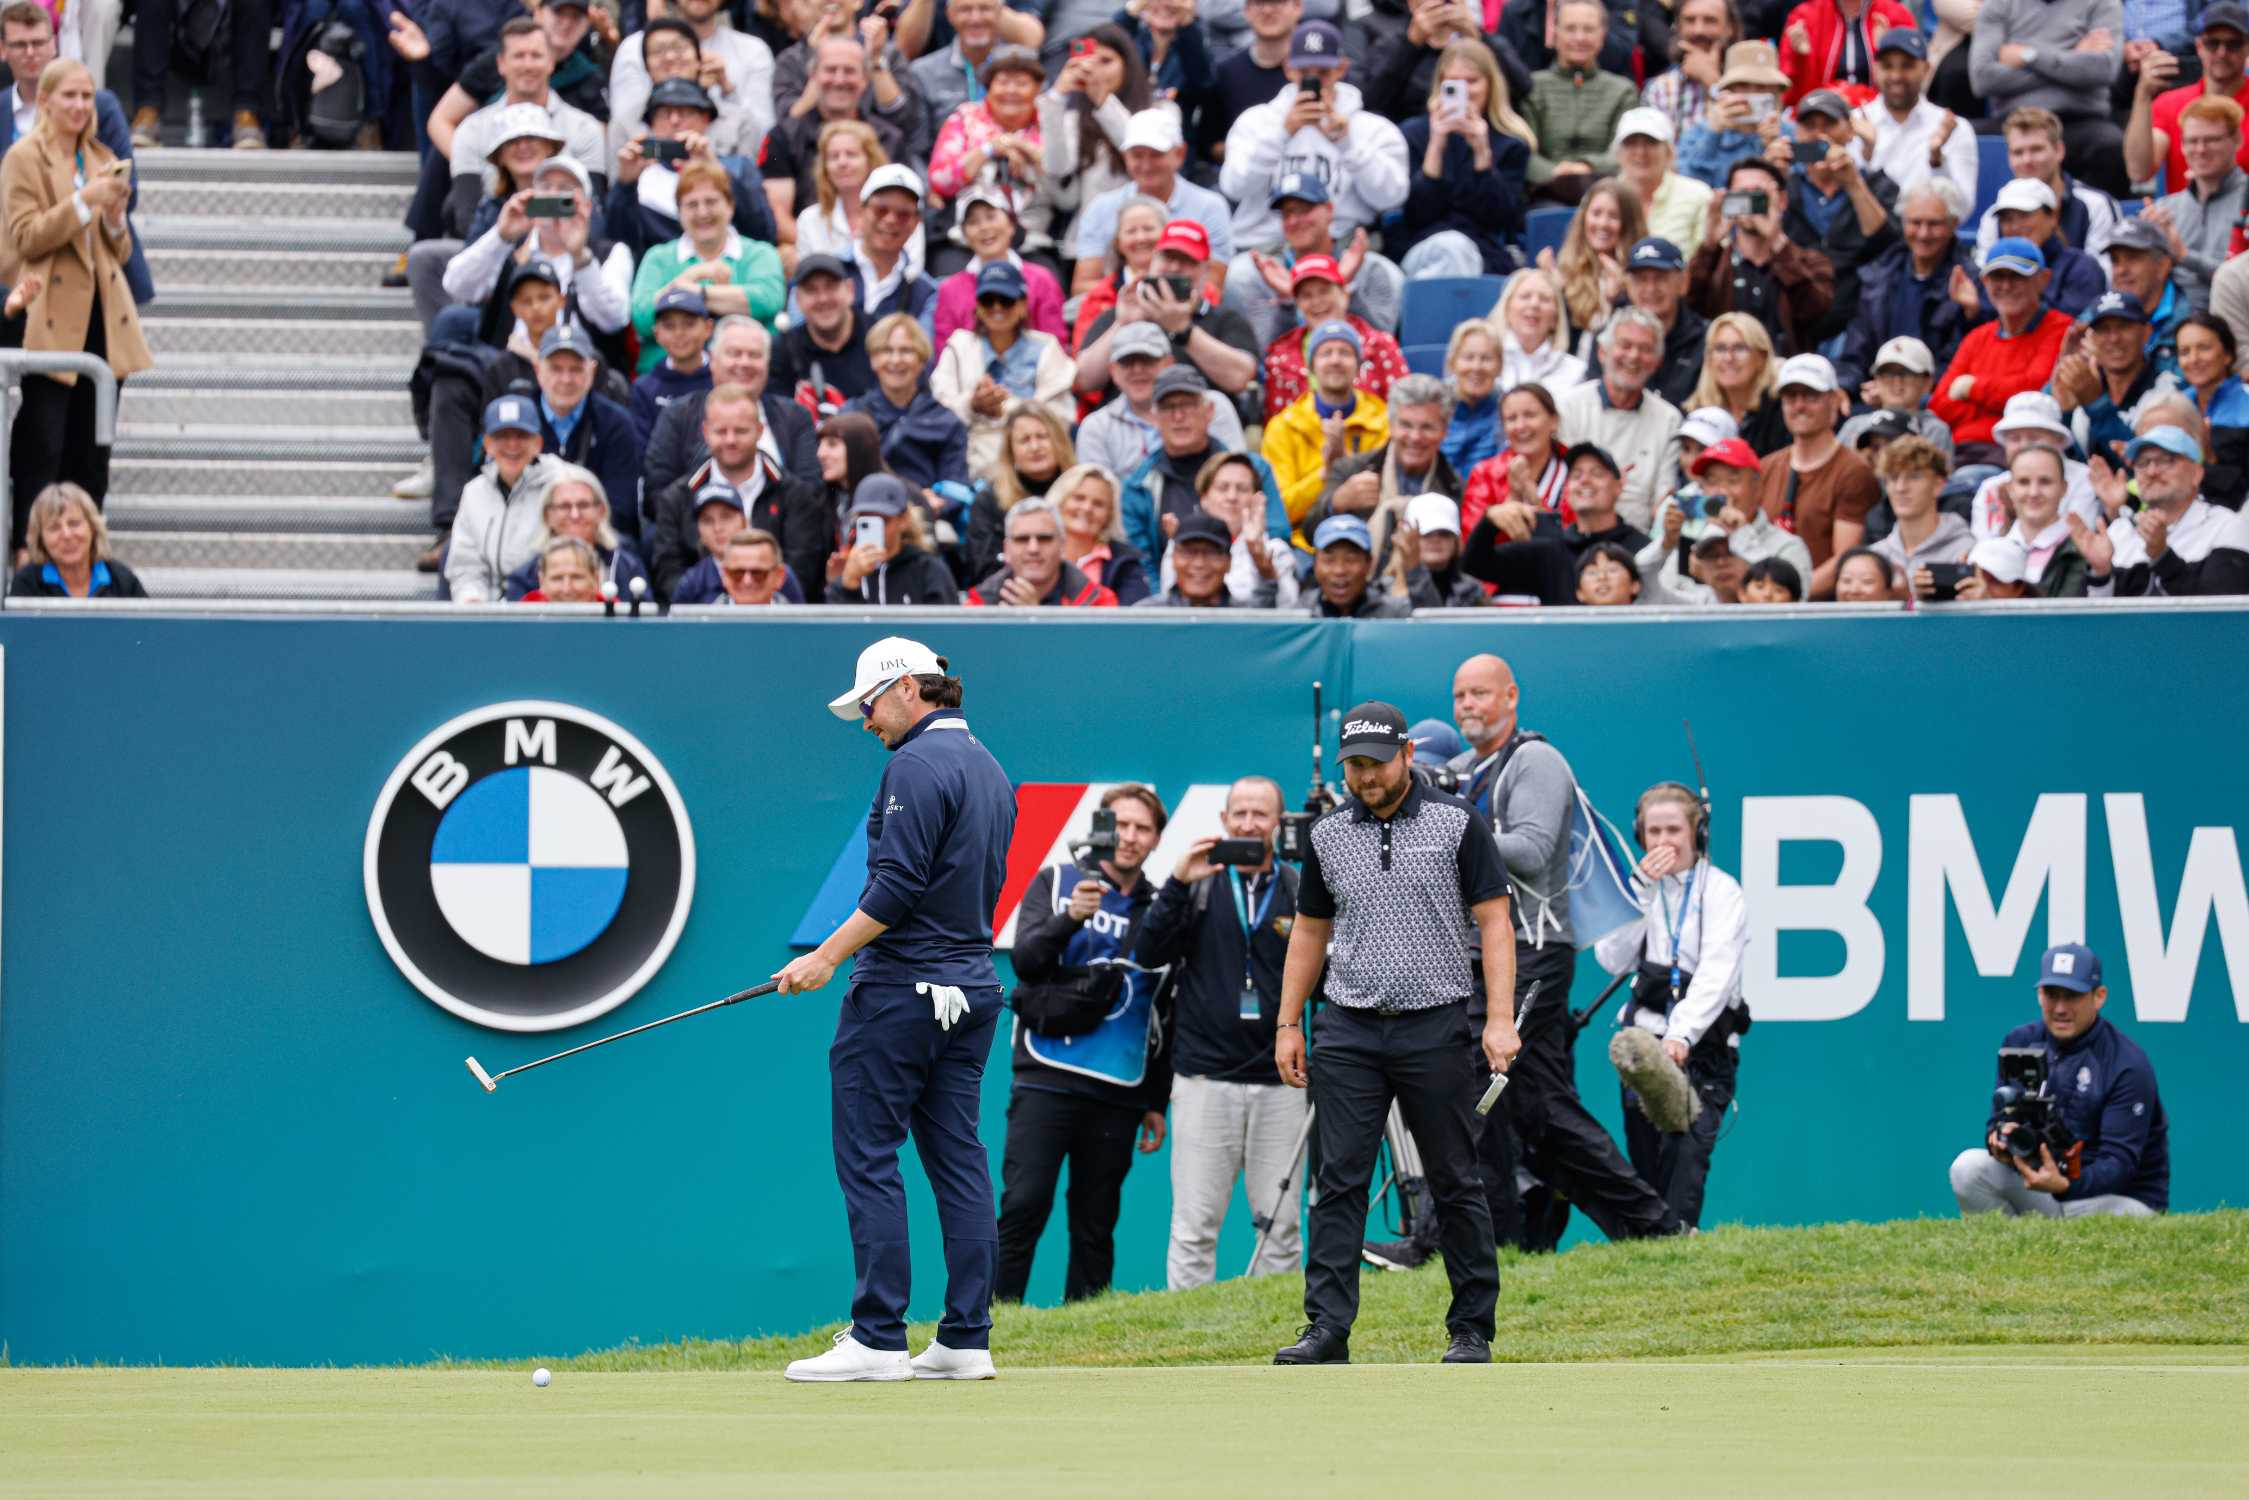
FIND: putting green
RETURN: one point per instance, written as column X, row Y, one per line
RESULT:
column 1984, row 1421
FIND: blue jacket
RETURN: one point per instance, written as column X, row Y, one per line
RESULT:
column 605, row 441
column 1134, row 1041
column 1932, row 317
column 1707, row 154
column 1142, row 507
column 659, row 388
column 110, row 128
column 1486, row 206
column 620, row 567
column 2105, row 1087
column 1474, row 434
column 921, row 442
column 915, row 296
column 937, row 837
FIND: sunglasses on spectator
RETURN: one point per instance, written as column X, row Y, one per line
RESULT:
column 891, row 211
column 754, row 575
column 995, row 302
column 576, row 507
column 2224, row 43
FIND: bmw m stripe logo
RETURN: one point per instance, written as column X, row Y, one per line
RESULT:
column 529, row 866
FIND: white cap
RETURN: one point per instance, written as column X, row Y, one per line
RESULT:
column 1810, row 371
column 890, row 175
column 1909, row 352
column 518, row 121
column 1157, row 129
column 882, row 664
column 2003, row 558
column 1709, row 424
column 1653, row 123
column 568, row 165
column 2031, row 411
column 2024, row 195
column 1429, row 513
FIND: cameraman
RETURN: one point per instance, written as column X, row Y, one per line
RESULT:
column 1082, row 1097
column 1687, row 948
column 2103, row 1089
column 1226, row 929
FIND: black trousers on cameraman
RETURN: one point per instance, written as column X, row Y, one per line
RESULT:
column 1044, row 1130
column 1677, row 1163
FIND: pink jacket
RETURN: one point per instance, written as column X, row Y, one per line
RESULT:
column 956, row 304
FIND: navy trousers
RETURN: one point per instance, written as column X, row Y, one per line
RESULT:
column 894, row 1071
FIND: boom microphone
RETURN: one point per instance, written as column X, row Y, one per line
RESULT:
column 1666, row 1098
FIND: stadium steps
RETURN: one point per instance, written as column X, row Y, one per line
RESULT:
column 255, row 461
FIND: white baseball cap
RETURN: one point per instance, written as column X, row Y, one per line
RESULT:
column 1709, row 425
column 2003, row 558
column 1430, row 513
column 1810, row 371
column 1157, row 129
column 1909, row 352
column 2024, row 195
column 1653, row 123
column 882, row 664
column 891, row 175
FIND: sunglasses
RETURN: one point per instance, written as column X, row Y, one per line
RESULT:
column 753, row 575
column 995, row 303
column 2224, row 44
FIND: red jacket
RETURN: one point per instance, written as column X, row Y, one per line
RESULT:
column 2002, row 368
column 1382, row 364
column 1824, row 23
column 1072, row 590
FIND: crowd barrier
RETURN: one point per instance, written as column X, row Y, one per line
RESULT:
column 234, row 1121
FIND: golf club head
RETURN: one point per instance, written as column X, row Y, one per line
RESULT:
column 483, row 1077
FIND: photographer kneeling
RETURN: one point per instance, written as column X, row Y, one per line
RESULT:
column 2070, row 1083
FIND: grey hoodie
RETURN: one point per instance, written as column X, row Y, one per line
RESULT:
column 494, row 533
column 1951, row 542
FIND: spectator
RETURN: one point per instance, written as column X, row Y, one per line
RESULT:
column 1528, row 471
column 643, row 206
column 1472, row 363
column 2034, row 149
column 1847, row 214
column 2140, row 265
column 1001, row 360
column 751, row 569
column 1608, row 223
column 1402, row 44
column 1257, row 570
column 2178, row 544
column 2062, row 55
column 68, row 554
column 1607, row 576
column 566, row 571
column 822, row 360
column 1744, row 119
column 1258, row 283
column 1035, row 572
column 1176, row 49
column 1120, row 435
column 987, row 228
column 1376, row 485
column 1426, row 557
column 849, row 448
column 1035, row 448
column 1596, row 479
column 734, row 68
column 1083, row 121
column 2202, row 220
column 250, row 51
column 1677, row 207
column 1317, row 127
column 503, row 509
column 1316, row 289
column 1093, row 539
column 1534, row 331
column 1573, row 107
column 577, row 507
column 1913, row 472
column 594, row 272
column 2028, row 210
column 468, row 136
column 581, row 426
column 1655, row 281
column 1132, row 255
column 1622, row 416
column 1816, row 487
column 1153, row 153
column 1167, row 482
column 29, row 33
column 1747, row 262
column 69, row 219
column 1831, row 42
column 2032, row 420
column 1998, row 567
column 845, row 154
column 683, row 329
column 922, row 442
column 734, row 275
column 1531, row 32
column 994, row 140
column 1181, row 299
column 1702, row 426
column 1906, row 291
column 88, row 33
column 952, row 75
column 2035, row 482
column 2015, row 352
column 721, row 514
column 839, row 89
column 1328, row 423
column 580, row 75
column 2102, row 376
column 1464, row 200
column 1772, row 580
column 1196, row 562
column 1344, row 569
column 1905, row 372
column 1914, row 140
column 900, row 569
column 2208, row 355
column 682, row 552
column 2153, row 139
column 1741, row 377
column 1730, row 473
column 1243, row 79
column 741, row 354
column 1701, row 33
column 1865, row 576
column 522, row 141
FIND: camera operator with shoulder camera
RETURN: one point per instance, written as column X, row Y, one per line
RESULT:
column 1678, row 1044
column 1222, row 922
column 2077, row 1127
column 1092, row 1066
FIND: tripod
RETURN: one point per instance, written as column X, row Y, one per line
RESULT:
column 1404, row 1170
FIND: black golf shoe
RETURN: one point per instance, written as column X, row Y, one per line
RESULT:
column 1394, row 1255
column 1468, row 1347
column 1316, row 1346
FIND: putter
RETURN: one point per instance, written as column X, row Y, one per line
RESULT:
column 1491, row 1095
column 491, row 1081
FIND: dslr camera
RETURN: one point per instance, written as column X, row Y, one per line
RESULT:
column 2024, row 1100
column 1440, row 779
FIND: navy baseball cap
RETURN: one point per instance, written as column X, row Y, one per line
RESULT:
column 1316, row 44
column 681, row 93
column 1001, row 279
column 1824, row 102
column 1373, row 730
column 1302, row 186
column 1596, row 452
column 1903, row 39
column 2116, row 305
column 2070, row 966
column 881, row 495
column 820, row 265
column 566, row 338
column 1202, row 526
column 1655, row 253
column 535, row 270
column 511, row 414
column 2137, row 233
column 1347, row 529
column 2225, row 14
column 1176, row 380
column 717, row 493
column 682, row 299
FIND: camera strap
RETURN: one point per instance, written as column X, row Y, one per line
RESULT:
column 1786, row 520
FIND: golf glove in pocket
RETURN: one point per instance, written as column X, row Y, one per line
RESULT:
column 946, row 1000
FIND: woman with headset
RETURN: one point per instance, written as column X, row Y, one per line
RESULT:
column 1685, row 954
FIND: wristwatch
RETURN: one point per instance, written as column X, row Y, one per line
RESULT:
column 2030, row 55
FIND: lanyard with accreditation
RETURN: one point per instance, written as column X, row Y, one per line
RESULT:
column 1250, row 923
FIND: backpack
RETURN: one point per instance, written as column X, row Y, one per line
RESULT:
column 332, row 115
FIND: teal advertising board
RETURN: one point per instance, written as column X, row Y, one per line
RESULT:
column 232, row 1128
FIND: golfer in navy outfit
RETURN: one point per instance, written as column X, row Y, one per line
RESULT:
column 918, row 1020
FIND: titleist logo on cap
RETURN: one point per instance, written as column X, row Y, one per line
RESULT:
column 1370, row 726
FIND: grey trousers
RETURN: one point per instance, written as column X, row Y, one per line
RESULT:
column 1984, row 1184
column 425, row 273
column 1221, row 1134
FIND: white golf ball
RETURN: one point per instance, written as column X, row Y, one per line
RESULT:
column 540, row 1376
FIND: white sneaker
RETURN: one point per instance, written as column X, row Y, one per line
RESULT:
column 852, row 1360
column 419, row 485
column 940, row 1363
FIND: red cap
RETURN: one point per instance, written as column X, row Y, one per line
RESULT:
column 1733, row 453
column 1186, row 237
column 1316, row 268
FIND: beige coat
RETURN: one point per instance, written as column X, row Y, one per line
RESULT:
column 44, row 235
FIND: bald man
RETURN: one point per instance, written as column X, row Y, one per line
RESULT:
column 1524, row 786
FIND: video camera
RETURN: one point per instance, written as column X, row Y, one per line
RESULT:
column 2024, row 1101
column 1099, row 844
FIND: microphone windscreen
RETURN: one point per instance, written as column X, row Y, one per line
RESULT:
column 1666, row 1097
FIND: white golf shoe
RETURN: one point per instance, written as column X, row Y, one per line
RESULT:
column 940, row 1363
column 852, row 1360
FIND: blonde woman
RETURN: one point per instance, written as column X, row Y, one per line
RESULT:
column 1469, row 151
column 846, row 154
column 65, row 194
column 1093, row 539
column 69, row 553
column 1472, row 364
column 1591, row 264
column 1532, row 324
column 577, row 505
column 922, row 442
column 1741, row 374
column 1035, row 448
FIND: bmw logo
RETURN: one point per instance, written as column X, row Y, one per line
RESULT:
column 529, row 866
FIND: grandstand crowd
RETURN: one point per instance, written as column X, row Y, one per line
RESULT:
column 1341, row 306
